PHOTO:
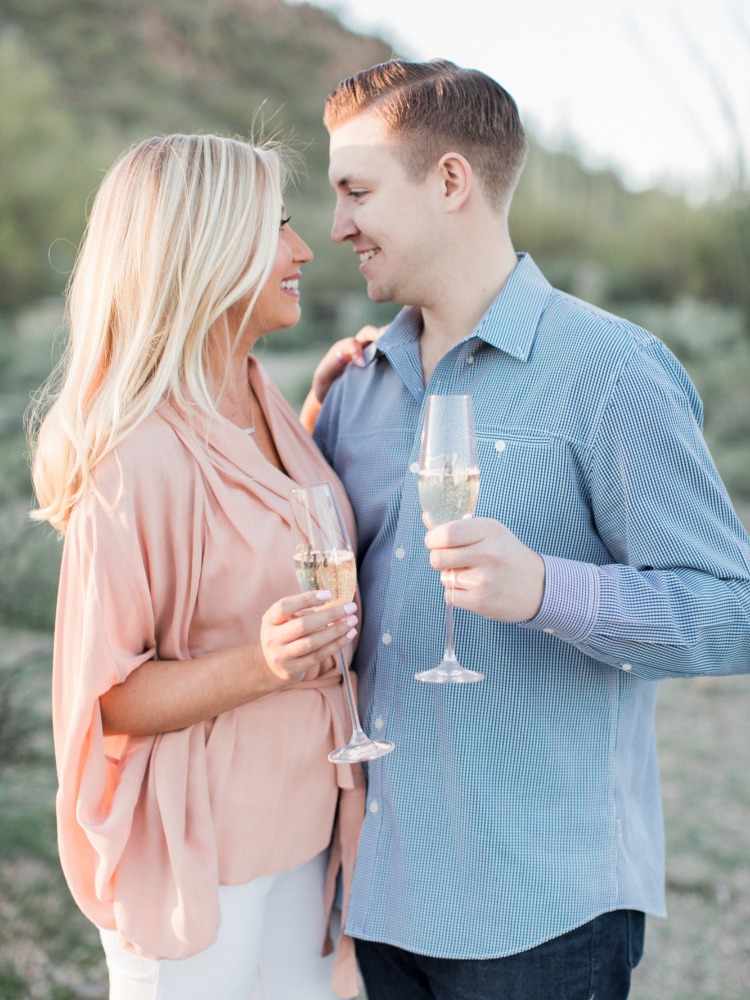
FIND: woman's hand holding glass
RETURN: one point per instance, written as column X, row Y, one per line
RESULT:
column 323, row 555
column 299, row 634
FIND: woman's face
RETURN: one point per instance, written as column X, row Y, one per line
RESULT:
column 278, row 305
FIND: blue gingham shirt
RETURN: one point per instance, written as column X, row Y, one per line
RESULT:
column 519, row 808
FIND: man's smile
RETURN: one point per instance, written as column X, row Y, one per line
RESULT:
column 366, row 255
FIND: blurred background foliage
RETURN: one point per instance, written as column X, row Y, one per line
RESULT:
column 84, row 79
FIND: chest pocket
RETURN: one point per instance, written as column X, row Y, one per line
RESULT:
column 536, row 486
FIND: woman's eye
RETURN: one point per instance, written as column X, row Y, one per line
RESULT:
column 356, row 194
column 284, row 221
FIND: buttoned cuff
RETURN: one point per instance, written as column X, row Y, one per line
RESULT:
column 571, row 599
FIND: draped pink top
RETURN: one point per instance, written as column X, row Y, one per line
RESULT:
column 177, row 553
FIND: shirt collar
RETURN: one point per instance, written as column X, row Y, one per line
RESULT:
column 509, row 324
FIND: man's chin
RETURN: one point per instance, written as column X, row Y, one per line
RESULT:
column 376, row 293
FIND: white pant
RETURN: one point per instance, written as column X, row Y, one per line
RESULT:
column 268, row 948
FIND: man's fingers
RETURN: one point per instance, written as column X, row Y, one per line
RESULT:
column 458, row 557
column 454, row 534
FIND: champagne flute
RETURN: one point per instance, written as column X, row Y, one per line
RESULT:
column 448, row 491
column 324, row 560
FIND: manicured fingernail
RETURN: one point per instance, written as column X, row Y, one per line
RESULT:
column 351, row 633
column 352, row 620
column 349, row 608
column 360, row 362
column 324, row 595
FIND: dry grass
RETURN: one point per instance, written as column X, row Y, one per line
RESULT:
column 702, row 951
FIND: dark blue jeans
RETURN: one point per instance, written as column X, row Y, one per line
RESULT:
column 593, row 962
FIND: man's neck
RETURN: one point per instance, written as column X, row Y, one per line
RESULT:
column 452, row 317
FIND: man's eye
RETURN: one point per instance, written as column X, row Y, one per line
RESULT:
column 356, row 194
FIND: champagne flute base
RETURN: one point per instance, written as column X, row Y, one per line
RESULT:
column 355, row 753
column 449, row 673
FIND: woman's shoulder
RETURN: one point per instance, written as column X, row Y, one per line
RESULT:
column 149, row 457
column 142, row 493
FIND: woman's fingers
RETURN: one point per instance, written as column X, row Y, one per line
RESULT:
column 283, row 610
column 322, row 642
column 296, row 633
column 305, row 609
column 369, row 333
column 311, row 622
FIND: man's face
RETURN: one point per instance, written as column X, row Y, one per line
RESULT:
column 391, row 221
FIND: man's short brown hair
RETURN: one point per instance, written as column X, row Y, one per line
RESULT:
column 435, row 107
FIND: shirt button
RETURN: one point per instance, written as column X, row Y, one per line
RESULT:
column 386, row 638
column 499, row 445
column 379, row 723
column 627, row 666
column 469, row 359
column 374, row 807
column 400, row 553
column 414, row 467
column 549, row 631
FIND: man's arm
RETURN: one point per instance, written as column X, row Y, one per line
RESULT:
column 675, row 600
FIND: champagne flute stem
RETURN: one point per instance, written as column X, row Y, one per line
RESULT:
column 358, row 734
column 450, row 652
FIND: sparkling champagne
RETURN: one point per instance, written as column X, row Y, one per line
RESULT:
column 448, row 495
column 335, row 571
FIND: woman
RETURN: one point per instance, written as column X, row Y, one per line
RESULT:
column 195, row 696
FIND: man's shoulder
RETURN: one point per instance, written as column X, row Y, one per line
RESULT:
column 586, row 335
column 586, row 320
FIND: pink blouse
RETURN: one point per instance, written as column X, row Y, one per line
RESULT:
column 177, row 553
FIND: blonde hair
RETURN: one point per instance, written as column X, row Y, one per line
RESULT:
column 182, row 228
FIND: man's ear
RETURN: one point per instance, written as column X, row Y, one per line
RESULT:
column 456, row 178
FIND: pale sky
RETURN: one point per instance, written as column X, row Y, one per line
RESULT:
column 633, row 82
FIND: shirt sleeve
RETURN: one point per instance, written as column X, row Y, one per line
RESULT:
column 102, row 582
column 326, row 426
column 124, row 804
column 675, row 601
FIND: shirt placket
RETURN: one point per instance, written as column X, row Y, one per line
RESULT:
column 453, row 374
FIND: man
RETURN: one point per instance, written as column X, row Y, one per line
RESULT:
column 513, row 841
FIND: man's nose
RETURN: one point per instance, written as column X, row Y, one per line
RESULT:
column 343, row 227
